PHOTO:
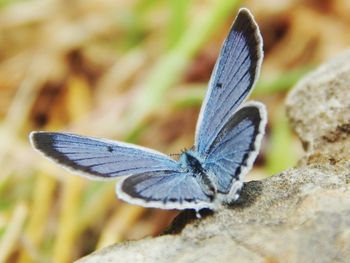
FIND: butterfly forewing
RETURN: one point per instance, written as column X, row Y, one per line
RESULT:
column 98, row 158
column 233, row 77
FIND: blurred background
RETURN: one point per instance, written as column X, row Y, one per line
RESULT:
column 133, row 71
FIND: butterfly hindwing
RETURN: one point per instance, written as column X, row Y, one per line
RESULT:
column 233, row 77
column 99, row 158
column 236, row 147
column 164, row 189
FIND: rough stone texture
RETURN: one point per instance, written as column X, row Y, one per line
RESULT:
column 300, row 215
column 319, row 107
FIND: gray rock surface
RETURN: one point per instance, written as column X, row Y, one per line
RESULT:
column 319, row 108
column 300, row 215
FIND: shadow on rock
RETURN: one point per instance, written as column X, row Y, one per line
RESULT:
column 186, row 217
column 248, row 195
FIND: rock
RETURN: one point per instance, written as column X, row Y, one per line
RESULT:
column 319, row 108
column 300, row 215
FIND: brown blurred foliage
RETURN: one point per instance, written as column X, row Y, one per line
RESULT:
column 91, row 66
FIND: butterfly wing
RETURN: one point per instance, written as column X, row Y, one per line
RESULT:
column 236, row 147
column 164, row 189
column 233, row 77
column 99, row 158
column 156, row 180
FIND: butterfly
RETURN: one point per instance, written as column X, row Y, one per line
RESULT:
column 228, row 136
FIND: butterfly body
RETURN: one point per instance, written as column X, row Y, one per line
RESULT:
column 191, row 163
column 227, row 140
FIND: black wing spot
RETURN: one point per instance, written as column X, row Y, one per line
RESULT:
column 110, row 149
column 219, row 85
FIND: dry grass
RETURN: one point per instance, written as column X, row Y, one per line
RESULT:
column 135, row 71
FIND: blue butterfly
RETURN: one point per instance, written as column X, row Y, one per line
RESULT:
column 227, row 140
